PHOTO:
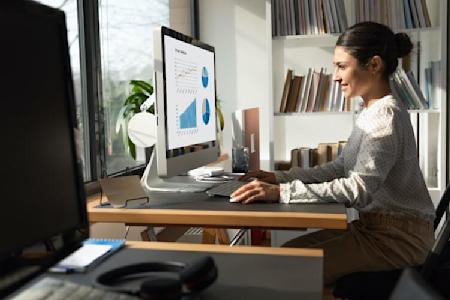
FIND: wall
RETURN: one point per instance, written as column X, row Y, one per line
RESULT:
column 237, row 30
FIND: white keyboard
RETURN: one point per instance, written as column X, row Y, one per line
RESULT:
column 57, row 289
column 225, row 189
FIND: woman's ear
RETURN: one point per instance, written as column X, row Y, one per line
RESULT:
column 375, row 65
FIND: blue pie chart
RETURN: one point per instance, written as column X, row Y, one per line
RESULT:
column 205, row 77
column 205, row 111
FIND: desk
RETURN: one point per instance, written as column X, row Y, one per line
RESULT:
column 269, row 273
column 198, row 209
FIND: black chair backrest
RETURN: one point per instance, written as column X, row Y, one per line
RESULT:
column 433, row 255
column 442, row 206
column 412, row 286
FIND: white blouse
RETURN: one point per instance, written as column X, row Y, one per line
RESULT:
column 378, row 170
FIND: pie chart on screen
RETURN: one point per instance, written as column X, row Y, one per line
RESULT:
column 205, row 77
column 205, row 111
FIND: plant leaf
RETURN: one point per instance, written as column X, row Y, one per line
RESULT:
column 132, row 149
column 136, row 98
column 220, row 117
column 151, row 109
column 146, row 86
column 137, row 89
column 123, row 114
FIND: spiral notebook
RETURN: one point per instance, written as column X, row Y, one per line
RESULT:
column 92, row 252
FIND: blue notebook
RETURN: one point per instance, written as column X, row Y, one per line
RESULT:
column 92, row 252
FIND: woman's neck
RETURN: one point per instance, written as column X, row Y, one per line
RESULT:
column 377, row 92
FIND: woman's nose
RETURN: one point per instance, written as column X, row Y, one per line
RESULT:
column 336, row 76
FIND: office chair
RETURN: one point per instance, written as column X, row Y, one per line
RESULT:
column 379, row 285
column 412, row 286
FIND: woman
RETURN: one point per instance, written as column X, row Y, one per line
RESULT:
column 377, row 173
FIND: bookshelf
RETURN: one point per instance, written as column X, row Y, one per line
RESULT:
column 308, row 129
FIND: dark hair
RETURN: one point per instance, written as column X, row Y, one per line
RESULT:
column 367, row 39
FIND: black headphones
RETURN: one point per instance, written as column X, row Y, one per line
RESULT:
column 190, row 278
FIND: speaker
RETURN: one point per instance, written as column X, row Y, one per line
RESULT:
column 187, row 280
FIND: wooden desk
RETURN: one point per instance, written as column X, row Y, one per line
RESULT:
column 244, row 272
column 198, row 209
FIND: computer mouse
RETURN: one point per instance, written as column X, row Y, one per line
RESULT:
column 233, row 200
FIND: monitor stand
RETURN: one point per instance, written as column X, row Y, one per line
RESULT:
column 183, row 183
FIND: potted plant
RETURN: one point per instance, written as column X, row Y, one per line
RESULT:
column 140, row 91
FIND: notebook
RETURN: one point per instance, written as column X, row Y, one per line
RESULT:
column 91, row 253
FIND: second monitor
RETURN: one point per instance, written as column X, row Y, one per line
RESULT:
column 185, row 110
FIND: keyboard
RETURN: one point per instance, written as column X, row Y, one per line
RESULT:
column 225, row 189
column 51, row 288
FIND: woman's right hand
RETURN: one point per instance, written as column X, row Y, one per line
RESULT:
column 268, row 177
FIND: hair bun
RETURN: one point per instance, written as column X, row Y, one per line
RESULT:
column 404, row 44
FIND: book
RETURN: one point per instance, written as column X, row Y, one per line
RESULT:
column 323, row 153
column 295, row 158
column 92, row 252
column 305, row 91
column 294, row 91
column 426, row 14
column 287, row 87
column 305, row 157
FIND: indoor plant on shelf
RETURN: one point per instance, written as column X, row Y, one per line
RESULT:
column 140, row 91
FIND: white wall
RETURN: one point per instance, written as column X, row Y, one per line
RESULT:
column 237, row 30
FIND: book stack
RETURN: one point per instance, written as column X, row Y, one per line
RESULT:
column 397, row 14
column 300, row 17
column 305, row 157
column 405, row 87
column 313, row 92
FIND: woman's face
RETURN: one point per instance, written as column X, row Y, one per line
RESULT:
column 355, row 80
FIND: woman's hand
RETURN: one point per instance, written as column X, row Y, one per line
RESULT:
column 257, row 191
column 268, row 177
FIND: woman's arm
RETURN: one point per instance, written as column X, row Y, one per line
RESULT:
column 325, row 172
column 375, row 157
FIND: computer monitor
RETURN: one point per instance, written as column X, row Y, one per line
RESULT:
column 42, row 194
column 185, row 109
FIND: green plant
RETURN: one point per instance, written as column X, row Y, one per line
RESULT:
column 140, row 91
column 219, row 114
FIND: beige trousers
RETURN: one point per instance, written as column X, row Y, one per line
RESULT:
column 375, row 242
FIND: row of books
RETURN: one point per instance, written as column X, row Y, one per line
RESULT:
column 397, row 14
column 405, row 87
column 306, row 157
column 313, row 92
column 300, row 17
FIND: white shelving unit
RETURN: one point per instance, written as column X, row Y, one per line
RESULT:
column 291, row 130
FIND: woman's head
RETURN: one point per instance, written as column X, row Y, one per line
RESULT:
column 371, row 50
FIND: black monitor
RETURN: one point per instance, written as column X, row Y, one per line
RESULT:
column 42, row 193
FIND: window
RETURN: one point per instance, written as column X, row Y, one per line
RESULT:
column 125, row 40
column 126, row 46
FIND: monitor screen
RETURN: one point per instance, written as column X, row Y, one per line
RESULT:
column 185, row 87
column 190, row 94
column 42, row 192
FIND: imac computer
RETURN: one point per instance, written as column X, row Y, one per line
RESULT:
column 186, row 129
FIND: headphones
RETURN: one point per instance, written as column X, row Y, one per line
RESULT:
column 189, row 279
